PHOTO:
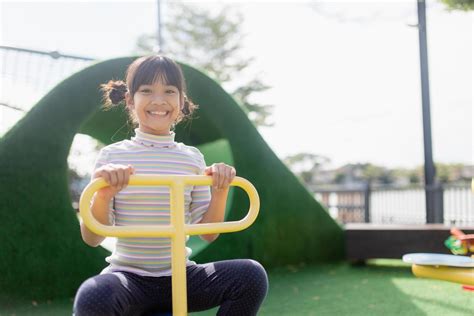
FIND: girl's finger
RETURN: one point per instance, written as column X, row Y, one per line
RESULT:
column 104, row 175
column 120, row 178
column 97, row 174
column 208, row 171
column 215, row 176
column 222, row 176
column 126, row 179
column 230, row 175
column 113, row 178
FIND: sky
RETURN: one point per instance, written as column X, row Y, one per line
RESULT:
column 345, row 76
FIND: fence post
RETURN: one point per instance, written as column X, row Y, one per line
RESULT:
column 430, row 208
column 367, row 192
column 434, row 204
column 439, row 203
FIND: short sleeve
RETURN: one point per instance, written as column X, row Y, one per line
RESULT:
column 200, row 195
column 101, row 160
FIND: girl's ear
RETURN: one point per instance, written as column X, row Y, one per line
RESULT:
column 129, row 101
column 182, row 100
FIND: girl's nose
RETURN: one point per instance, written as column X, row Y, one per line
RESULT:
column 158, row 99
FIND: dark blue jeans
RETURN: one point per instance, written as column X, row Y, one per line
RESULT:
column 237, row 286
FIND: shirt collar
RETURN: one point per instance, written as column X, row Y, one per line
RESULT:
column 156, row 141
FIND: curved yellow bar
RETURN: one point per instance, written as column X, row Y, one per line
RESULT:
column 167, row 230
column 177, row 230
column 451, row 274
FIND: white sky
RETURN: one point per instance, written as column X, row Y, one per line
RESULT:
column 345, row 75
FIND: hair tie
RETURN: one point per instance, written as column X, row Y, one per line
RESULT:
column 117, row 93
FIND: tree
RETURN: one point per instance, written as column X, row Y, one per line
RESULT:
column 414, row 178
column 305, row 165
column 339, row 179
column 451, row 173
column 213, row 43
column 464, row 5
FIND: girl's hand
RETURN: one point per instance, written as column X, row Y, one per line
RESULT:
column 222, row 175
column 117, row 176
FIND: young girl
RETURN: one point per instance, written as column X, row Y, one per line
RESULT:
column 137, row 280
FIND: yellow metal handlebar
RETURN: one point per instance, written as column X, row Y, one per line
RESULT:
column 177, row 230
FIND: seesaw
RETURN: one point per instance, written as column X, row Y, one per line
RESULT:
column 177, row 230
column 452, row 268
column 458, row 269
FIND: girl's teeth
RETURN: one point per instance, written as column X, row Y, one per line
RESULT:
column 158, row 113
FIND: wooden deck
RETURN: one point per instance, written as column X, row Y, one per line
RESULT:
column 371, row 241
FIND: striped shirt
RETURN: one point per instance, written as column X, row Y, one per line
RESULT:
column 150, row 205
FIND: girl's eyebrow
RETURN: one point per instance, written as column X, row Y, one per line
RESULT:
column 170, row 87
column 164, row 85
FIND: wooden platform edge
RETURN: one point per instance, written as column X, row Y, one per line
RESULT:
column 369, row 241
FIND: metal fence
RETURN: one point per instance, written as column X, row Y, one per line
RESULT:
column 389, row 205
column 26, row 75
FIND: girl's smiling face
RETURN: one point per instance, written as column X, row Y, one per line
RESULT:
column 156, row 107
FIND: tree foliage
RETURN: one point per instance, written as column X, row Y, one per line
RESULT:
column 305, row 165
column 304, row 161
column 213, row 43
column 464, row 5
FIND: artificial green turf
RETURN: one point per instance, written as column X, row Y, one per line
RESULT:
column 383, row 287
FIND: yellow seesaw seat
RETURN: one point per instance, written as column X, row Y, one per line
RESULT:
column 458, row 269
column 451, row 274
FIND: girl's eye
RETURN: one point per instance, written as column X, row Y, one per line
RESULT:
column 170, row 91
column 145, row 90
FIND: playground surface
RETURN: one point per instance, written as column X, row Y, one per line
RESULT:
column 382, row 287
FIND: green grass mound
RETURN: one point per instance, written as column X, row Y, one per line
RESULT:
column 42, row 255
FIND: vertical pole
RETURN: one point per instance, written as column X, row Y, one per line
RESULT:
column 367, row 202
column 439, row 203
column 159, row 35
column 178, row 246
column 430, row 171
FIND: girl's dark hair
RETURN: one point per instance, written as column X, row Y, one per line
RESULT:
column 145, row 71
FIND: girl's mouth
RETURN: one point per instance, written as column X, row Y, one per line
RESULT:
column 158, row 113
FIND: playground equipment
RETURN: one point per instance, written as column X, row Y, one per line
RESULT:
column 452, row 268
column 460, row 243
column 458, row 269
column 177, row 229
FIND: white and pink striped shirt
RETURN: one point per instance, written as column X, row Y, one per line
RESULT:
column 148, row 205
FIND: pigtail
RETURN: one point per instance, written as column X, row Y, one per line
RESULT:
column 113, row 93
column 187, row 109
